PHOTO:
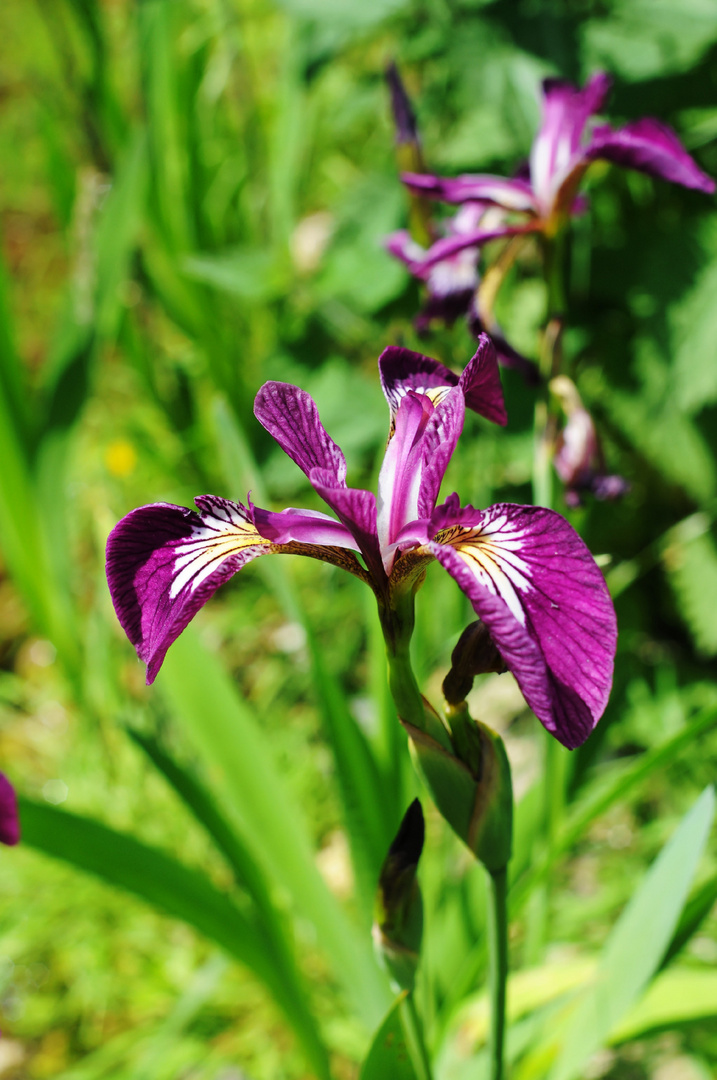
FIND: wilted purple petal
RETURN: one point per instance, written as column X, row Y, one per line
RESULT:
column 650, row 147
column 291, row 416
column 302, row 527
column 515, row 194
column 164, row 562
column 546, row 580
column 9, row 817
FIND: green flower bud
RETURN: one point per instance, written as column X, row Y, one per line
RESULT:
column 398, row 917
column 471, row 785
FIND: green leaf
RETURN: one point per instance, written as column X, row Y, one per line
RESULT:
column 637, row 943
column 173, row 888
column 230, row 740
column 693, row 915
column 252, row 274
column 692, row 573
column 389, row 1055
column 676, row 997
column 597, row 802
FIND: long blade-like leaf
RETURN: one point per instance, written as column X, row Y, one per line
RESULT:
column 175, row 889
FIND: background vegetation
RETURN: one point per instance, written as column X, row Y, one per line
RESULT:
column 194, row 195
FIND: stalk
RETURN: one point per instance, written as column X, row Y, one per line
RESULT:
column 498, row 966
column 413, row 1030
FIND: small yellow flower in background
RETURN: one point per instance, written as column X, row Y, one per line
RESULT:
column 120, row 458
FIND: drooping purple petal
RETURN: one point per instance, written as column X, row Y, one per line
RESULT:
column 9, row 817
column 515, row 194
column 651, row 147
column 450, row 246
column 356, row 509
column 402, row 370
column 566, row 110
column 302, row 527
column 164, row 562
column 545, row 579
column 291, row 416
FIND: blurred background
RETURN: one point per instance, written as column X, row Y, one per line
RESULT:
column 193, row 198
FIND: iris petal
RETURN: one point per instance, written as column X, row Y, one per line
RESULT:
column 164, row 562
column 291, row 416
column 525, row 567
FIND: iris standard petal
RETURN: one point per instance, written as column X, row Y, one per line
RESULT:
column 515, row 194
column 402, row 370
column 534, row 562
column 399, row 480
column 437, row 446
column 651, row 147
column 566, row 110
column 291, row 416
column 164, row 562
column 9, row 818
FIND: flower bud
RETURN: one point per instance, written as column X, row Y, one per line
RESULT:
column 471, row 785
column 579, row 459
column 398, row 920
column 475, row 654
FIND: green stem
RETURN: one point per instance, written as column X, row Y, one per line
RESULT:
column 498, row 960
column 413, row 1030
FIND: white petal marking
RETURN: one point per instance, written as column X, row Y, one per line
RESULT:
column 494, row 562
column 221, row 535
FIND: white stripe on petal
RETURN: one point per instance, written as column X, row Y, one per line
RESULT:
column 493, row 559
column 222, row 534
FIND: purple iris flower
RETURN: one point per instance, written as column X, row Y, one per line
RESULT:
column 562, row 151
column 527, row 573
column 579, row 460
column 9, row 819
column 452, row 282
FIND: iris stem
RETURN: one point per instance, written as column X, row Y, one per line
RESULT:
column 498, row 962
column 413, row 1030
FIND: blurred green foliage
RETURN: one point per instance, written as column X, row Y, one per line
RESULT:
column 193, row 198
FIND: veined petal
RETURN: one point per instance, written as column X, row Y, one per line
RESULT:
column 531, row 579
column 402, row 370
column 9, row 818
column 291, row 416
column 302, row 527
column 399, row 480
column 650, row 147
column 515, row 194
column 164, row 562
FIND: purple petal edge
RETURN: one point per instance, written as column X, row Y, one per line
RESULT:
column 536, row 560
column 651, row 147
column 291, row 416
column 153, row 598
column 9, row 817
